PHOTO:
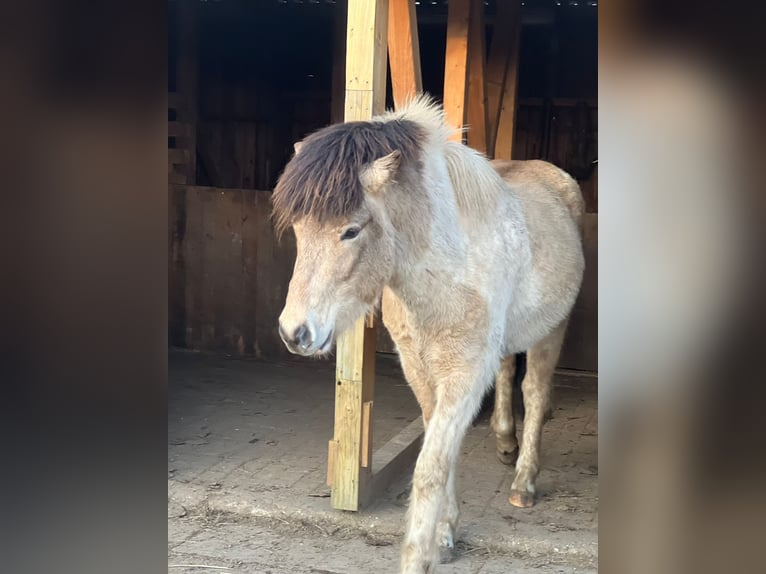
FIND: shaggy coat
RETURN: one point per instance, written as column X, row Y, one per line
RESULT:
column 474, row 261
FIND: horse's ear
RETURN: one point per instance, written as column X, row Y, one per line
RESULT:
column 297, row 147
column 376, row 175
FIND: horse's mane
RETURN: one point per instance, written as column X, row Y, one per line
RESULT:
column 322, row 180
column 475, row 182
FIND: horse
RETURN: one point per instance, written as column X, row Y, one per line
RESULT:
column 474, row 261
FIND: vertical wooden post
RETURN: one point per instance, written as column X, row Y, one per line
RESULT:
column 456, row 64
column 404, row 50
column 507, row 122
column 366, row 42
column 477, row 101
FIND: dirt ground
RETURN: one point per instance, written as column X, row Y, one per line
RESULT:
column 246, row 478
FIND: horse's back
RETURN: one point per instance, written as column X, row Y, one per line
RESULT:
column 544, row 173
column 552, row 207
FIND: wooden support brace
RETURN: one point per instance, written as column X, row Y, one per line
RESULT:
column 404, row 51
column 477, row 102
column 394, row 457
column 508, row 13
column 503, row 145
column 456, row 64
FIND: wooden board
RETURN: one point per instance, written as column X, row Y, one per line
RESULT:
column 231, row 274
column 366, row 58
column 456, row 64
column 393, row 458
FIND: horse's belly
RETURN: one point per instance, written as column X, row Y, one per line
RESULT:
column 527, row 327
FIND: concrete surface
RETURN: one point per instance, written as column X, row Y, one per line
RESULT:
column 247, row 463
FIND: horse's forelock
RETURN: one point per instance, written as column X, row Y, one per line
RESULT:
column 322, row 180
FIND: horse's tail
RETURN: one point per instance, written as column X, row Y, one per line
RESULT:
column 572, row 195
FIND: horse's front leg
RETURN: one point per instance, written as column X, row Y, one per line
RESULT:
column 433, row 503
column 446, row 529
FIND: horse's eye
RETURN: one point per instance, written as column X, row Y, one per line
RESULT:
column 350, row 233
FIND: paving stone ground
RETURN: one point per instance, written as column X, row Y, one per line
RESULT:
column 247, row 463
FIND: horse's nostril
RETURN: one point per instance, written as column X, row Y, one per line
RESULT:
column 302, row 336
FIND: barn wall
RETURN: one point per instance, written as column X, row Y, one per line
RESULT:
column 229, row 274
column 564, row 132
column 246, row 132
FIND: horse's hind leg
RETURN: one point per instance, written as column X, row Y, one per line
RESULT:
column 536, row 386
column 503, row 422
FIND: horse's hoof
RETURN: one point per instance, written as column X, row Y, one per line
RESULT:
column 521, row 499
column 446, row 554
column 508, row 458
column 446, row 544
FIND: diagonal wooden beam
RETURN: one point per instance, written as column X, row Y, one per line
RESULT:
column 500, row 50
column 456, row 64
column 404, row 50
column 477, row 96
column 506, row 124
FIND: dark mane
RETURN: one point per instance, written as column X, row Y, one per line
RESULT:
column 322, row 181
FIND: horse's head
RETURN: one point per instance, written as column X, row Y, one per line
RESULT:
column 334, row 194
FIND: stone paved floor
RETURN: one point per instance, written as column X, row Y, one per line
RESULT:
column 247, row 463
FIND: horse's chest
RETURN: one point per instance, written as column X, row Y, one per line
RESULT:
column 458, row 321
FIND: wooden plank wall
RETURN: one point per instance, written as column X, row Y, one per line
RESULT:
column 246, row 132
column 220, row 236
column 231, row 273
column 571, row 143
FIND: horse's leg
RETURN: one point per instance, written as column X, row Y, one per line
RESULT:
column 417, row 379
column 536, row 386
column 416, row 376
column 503, row 422
column 456, row 404
column 446, row 530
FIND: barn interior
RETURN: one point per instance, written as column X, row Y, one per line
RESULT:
column 249, row 470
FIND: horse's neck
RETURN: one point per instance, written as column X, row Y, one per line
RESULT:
column 422, row 271
column 459, row 240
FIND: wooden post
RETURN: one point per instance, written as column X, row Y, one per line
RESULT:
column 477, row 102
column 404, row 50
column 507, row 122
column 456, row 64
column 508, row 14
column 366, row 41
